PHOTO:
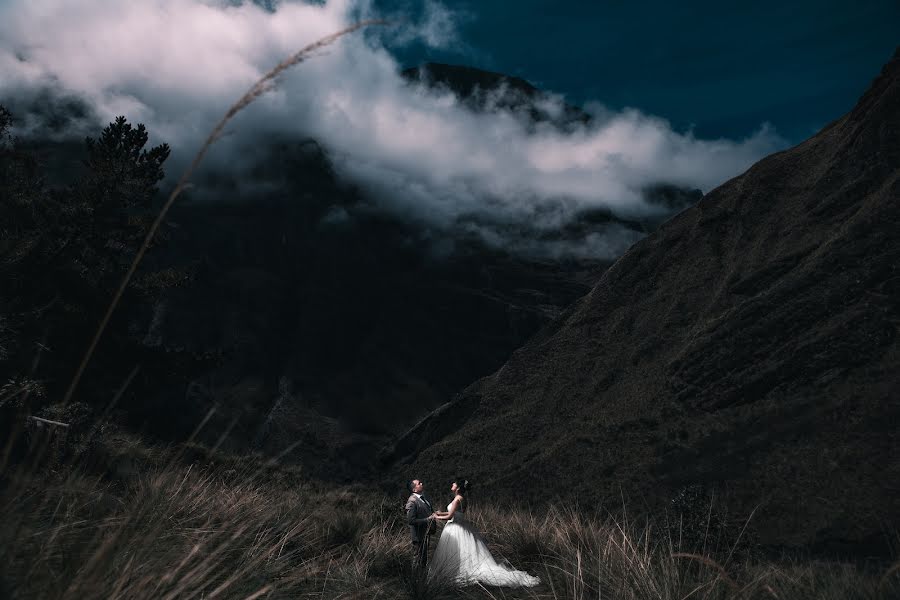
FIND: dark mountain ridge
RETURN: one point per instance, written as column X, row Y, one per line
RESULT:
column 749, row 346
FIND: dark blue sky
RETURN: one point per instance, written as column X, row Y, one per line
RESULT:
column 723, row 67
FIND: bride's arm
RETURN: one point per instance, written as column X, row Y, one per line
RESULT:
column 448, row 515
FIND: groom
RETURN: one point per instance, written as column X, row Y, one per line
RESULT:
column 420, row 517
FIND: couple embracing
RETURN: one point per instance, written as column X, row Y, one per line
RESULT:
column 462, row 554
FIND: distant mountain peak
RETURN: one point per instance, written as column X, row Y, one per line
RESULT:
column 466, row 80
column 487, row 90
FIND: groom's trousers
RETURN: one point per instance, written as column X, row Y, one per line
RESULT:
column 420, row 552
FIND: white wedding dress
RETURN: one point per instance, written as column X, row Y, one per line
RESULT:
column 463, row 556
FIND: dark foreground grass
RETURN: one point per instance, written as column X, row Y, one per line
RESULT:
column 170, row 527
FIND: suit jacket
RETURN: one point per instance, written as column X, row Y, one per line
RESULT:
column 417, row 513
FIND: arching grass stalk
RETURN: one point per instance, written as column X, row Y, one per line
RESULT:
column 258, row 89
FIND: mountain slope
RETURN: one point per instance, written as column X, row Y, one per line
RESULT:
column 748, row 345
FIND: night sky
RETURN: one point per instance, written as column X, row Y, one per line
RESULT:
column 723, row 67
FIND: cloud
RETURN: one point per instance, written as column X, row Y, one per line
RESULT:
column 427, row 22
column 176, row 65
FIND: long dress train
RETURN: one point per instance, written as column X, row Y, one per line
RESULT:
column 463, row 556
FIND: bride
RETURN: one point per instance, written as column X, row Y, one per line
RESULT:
column 462, row 554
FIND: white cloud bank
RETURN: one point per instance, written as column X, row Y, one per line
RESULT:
column 176, row 65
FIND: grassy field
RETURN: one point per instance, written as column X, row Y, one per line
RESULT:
column 142, row 522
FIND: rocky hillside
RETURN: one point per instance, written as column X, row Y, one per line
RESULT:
column 749, row 345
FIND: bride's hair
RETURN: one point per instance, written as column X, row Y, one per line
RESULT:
column 463, row 485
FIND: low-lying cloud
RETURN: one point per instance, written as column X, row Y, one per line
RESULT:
column 176, row 65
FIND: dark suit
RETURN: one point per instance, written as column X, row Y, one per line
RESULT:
column 420, row 527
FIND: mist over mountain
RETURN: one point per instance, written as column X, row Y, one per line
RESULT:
column 417, row 151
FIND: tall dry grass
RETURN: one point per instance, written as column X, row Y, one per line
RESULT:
column 179, row 533
column 582, row 556
column 237, row 527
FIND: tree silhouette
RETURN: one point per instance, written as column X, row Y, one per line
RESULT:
column 120, row 173
column 63, row 249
